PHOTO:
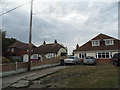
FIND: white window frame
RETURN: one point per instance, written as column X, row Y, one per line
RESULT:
column 50, row 55
column 111, row 41
column 12, row 49
column 83, row 55
column 103, row 54
column 95, row 42
column 35, row 56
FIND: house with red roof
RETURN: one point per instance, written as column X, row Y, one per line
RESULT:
column 18, row 49
column 50, row 50
column 102, row 47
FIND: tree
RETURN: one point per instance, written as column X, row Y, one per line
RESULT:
column 6, row 41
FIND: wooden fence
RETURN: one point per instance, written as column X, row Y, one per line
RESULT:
column 18, row 67
column 24, row 65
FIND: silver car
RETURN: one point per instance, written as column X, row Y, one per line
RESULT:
column 72, row 60
column 89, row 60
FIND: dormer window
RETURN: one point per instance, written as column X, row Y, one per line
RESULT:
column 95, row 42
column 109, row 41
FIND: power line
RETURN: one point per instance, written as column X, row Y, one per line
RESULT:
column 11, row 9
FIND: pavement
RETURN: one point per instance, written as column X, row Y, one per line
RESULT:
column 24, row 79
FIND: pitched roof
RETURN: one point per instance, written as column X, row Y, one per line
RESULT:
column 20, row 45
column 102, row 36
column 48, row 48
column 88, row 46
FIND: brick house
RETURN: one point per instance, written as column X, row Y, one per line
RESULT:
column 102, row 47
column 17, row 50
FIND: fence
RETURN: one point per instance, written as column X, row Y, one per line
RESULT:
column 18, row 67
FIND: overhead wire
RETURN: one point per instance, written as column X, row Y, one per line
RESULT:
column 12, row 9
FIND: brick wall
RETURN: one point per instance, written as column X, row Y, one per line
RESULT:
column 102, row 60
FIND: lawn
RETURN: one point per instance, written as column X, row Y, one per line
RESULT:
column 83, row 76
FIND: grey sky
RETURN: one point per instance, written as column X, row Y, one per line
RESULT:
column 68, row 22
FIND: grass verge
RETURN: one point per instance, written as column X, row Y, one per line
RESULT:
column 84, row 76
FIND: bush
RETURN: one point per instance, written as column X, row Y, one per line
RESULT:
column 17, row 60
column 5, row 60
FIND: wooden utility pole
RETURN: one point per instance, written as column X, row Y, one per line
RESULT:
column 30, row 36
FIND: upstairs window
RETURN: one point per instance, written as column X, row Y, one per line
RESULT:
column 109, row 42
column 95, row 43
column 12, row 50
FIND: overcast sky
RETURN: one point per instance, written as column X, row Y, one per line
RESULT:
column 70, row 23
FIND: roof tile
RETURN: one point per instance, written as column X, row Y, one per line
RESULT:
column 88, row 46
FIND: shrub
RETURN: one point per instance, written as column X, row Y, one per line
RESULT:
column 5, row 60
column 17, row 60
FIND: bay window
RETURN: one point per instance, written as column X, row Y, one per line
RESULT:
column 103, row 55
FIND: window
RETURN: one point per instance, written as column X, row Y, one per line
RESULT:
column 12, row 50
column 95, row 43
column 50, row 55
column 109, row 42
column 28, row 50
column 103, row 55
column 35, row 56
column 82, row 55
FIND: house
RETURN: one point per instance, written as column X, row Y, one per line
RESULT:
column 51, row 50
column 102, row 47
column 17, row 50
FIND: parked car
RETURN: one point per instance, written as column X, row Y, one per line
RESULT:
column 89, row 60
column 116, row 59
column 72, row 60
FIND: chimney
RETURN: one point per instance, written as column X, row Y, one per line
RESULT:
column 55, row 41
column 44, row 42
column 77, row 46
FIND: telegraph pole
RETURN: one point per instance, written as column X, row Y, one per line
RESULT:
column 30, row 36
